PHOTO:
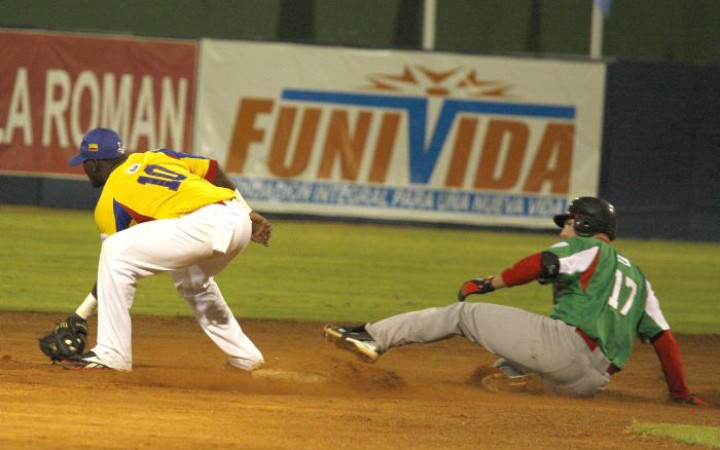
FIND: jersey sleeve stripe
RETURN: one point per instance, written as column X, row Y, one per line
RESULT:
column 652, row 308
column 589, row 272
column 582, row 262
column 578, row 262
column 212, row 172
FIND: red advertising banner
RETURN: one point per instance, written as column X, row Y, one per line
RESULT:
column 54, row 87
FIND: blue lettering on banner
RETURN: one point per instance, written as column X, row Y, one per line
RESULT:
column 423, row 158
column 399, row 198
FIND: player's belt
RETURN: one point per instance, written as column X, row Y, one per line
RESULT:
column 612, row 368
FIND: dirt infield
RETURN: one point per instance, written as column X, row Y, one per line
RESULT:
column 311, row 395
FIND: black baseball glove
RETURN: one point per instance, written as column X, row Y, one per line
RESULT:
column 66, row 341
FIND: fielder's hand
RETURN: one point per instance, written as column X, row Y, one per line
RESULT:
column 691, row 400
column 261, row 229
column 475, row 286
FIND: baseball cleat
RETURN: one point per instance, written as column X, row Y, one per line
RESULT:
column 508, row 378
column 502, row 377
column 509, row 370
column 87, row 361
column 499, row 382
column 356, row 340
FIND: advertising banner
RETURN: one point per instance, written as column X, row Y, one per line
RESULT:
column 401, row 135
column 55, row 87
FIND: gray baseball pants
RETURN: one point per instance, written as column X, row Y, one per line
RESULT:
column 530, row 342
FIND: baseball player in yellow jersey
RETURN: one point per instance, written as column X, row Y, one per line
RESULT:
column 161, row 211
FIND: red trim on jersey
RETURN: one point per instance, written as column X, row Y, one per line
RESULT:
column 212, row 171
column 668, row 353
column 136, row 216
column 589, row 272
column 523, row 271
column 592, row 345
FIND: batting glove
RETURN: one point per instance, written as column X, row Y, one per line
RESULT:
column 691, row 400
column 475, row 286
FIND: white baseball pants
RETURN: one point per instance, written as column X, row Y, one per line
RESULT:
column 193, row 249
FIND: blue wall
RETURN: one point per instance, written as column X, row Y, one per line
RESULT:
column 47, row 192
column 661, row 149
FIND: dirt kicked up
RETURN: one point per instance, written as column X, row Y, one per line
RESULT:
column 312, row 395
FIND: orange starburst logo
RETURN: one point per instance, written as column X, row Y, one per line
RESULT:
column 421, row 80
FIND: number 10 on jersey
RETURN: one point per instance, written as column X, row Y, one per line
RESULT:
column 161, row 176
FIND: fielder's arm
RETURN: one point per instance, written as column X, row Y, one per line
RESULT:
column 261, row 227
column 89, row 306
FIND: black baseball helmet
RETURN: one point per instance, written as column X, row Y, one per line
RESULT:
column 592, row 215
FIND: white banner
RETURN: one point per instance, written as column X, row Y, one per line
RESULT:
column 400, row 135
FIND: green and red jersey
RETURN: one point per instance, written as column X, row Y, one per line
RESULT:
column 605, row 295
column 598, row 291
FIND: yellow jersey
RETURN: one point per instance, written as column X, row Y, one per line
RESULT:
column 158, row 184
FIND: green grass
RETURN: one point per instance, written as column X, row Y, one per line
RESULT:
column 336, row 272
column 684, row 434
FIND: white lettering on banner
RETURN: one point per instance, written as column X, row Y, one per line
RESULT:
column 413, row 199
column 116, row 108
column 172, row 112
column 454, row 201
column 144, row 115
column 57, row 97
column 72, row 106
column 86, row 81
column 546, row 206
column 498, row 205
column 349, row 195
column 408, row 199
column 19, row 111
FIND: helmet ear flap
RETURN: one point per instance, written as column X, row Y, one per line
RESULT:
column 583, row 226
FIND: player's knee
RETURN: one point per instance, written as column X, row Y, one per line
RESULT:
column 191, row 290
column 113, row 247
column 465, row 311
column 193, row 283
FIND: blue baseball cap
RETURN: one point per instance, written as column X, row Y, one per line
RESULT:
column 99, row 143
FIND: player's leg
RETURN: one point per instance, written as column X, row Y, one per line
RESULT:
column 201, row 293
column 121, row 264
column 196, row 284
column 587, row 376
column 147, row 249
column 534, row 343
column 529, row 342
